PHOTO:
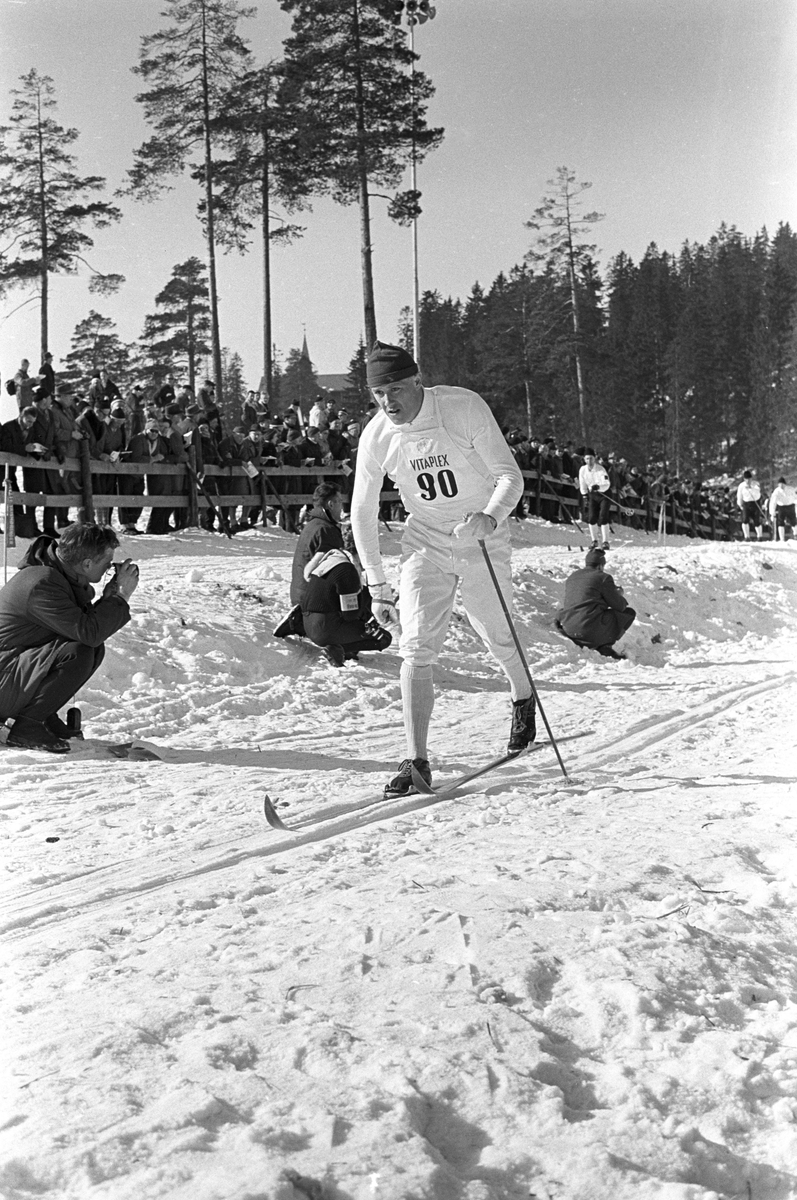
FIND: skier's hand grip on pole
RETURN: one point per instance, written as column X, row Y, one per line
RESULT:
column 383, row 603
column 478, row 525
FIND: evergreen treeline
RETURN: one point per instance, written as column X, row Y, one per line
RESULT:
column 688, row 360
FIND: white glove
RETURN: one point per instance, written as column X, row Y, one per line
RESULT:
column 476, row 525
column 383, row 603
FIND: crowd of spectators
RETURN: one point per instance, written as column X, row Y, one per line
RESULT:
column 164, row 423
column 554, row 494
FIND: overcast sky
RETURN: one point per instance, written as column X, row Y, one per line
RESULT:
column 680, row 112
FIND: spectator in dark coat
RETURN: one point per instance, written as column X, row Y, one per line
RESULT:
column 67, row 445
column 336, row 608
column 595, row 613
column 38, row 479
column 51, row 633
column 15, row 438
column 321, row 532
column 47, row 375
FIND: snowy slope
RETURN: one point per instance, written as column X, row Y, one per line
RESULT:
column 578, row 988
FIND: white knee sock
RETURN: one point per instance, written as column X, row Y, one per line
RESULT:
column 518, row 679
column 593, row 532
column 605, row 532
column 417, row 697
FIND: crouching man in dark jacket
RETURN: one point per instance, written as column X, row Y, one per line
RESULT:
column 321, row 532
column 595, row 613
column 52, row 634
column 336, row 607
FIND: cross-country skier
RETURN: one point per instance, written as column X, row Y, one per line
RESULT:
column 593, row 483
column 748, row 495
column 782, row 504
column 458, row 482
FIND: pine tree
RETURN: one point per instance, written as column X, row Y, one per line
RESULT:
column 347, row 71
column 95, row 347
column 357, row 378
column 299, row 381
column 258, row 132
column 44, row 204
column 190, row 66
column 175, row 337
column 234, row 387
column 560, row 225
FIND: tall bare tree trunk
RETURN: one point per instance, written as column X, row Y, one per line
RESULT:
column 43, row 234
column 266, row 230
column 369, row 307
column 210, row 223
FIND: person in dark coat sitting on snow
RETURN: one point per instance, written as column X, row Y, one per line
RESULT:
column 52, row 634
column 336, row 607
column 321, row 532
column 595, row 613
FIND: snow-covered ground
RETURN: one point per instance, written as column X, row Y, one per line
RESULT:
column 577, row 988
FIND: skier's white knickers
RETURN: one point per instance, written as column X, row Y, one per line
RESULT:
column 433, row 563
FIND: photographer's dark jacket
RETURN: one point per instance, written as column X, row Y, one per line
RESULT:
column 320, row 532
column 326, row 623
column 592, row 600
column 43, row 606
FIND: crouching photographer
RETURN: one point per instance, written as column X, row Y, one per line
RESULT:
column 336, row 606
column 52, row 632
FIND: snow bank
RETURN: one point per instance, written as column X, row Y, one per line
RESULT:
column 580, row 988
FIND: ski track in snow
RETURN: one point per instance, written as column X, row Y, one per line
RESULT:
column 566, row 989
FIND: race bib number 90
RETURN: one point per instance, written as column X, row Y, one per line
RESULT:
column 431, row 486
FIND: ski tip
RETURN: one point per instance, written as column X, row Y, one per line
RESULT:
column 271, row 815
column 421, row 785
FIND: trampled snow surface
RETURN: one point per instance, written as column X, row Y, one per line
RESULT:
column 567, row 989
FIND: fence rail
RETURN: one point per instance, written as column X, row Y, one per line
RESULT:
column 541, row 490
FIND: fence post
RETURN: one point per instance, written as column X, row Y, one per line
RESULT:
column 86, row 513
column 193, row 498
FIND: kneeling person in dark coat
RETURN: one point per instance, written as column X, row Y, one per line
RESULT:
column 52, row 634
column 336, row 608
column 321, row 532
column 595, row 613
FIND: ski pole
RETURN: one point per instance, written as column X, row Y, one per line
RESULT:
column 519, row 649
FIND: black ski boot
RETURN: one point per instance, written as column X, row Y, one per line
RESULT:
column 524, row 725
column 34, row 735
column 610, row 652
column 401, row 784
column 293, row 623
column 334, row 654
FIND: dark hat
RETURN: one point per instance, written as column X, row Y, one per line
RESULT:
column 782, row 479
column 118, row 411
column 389, row 364
column 193, row 410
column 244, row 429
column 595, row 558
column 589, row 451
column 747, row 475
column 175, row 410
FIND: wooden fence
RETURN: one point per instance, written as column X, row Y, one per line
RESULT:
column 544, row 494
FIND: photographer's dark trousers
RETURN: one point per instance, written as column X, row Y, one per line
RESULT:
column 72, row 666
